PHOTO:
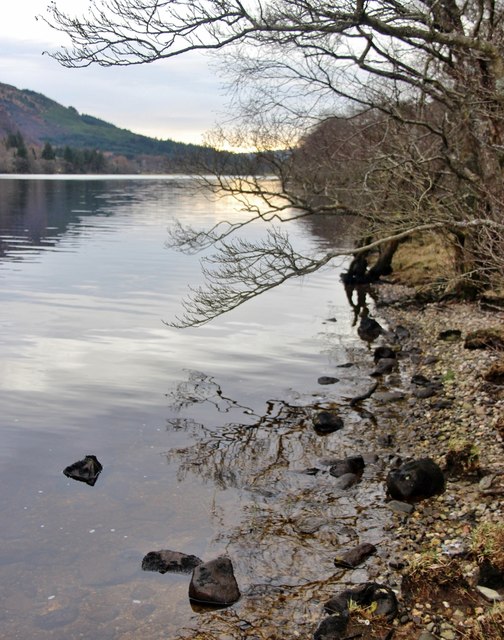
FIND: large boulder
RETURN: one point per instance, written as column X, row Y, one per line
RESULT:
column 213, row 583
column 166, row 560
column 415, row 479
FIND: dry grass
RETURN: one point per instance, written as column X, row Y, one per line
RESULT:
column 489, row 626
column 488, row 543
column 424, row 260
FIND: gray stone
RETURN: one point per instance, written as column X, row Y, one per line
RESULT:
column 389, row 396
column 400, row 507
column 426, row 635
column 489, row 594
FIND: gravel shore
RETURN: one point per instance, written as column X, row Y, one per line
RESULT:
column 461, row 427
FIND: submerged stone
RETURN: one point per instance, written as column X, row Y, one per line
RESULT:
column 166, row 560
column 352, row 464
column 86, row 470
column 327, row 422
column 213, row 583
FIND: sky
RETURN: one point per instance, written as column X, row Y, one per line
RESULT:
column 179, row 99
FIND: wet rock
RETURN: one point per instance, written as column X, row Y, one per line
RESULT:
column 389, row 396
column 214, row 583
column 333, row 627
column 352, row 464
column 327, row 380
column 166, row 560
column 354, row 557
column 416, row 479
column 327, row 422
column 309, row 524
column 491, row 338
column 369, row 594
column 86, row 470
column 384, row 366
column 384, row 352
column 369, row 329
column 346, row 481
column 345, row 365
column 400, row 507
column 364, row 396
column 450, row 335
column 56, row 618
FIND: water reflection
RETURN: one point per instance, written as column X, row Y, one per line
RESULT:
column 86, row 366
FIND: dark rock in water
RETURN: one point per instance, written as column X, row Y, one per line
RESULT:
column 366, row 595
column 450, row 335
column 214, row 583
column 492, row 338
column 352, row 464
column 86, row 470
column 166, row 560
column 347, row 480
column 333, row 627
column 355, row 556
column 346, row 365
column 369, row 329
column 327, row 380
column 384, row 366
column 327, row 422
column 383, row 352
column 416, row 479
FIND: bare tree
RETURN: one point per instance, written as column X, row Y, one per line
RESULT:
column 390, row 111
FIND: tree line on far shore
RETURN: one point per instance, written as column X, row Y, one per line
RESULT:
column 18, row 156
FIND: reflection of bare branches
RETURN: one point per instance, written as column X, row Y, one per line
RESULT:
column 200, row 388
column 247, row 452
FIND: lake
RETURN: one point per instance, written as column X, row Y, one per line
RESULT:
column 200, row 431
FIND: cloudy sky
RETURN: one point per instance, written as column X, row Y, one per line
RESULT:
column 179, row 99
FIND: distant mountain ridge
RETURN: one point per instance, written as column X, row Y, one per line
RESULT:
column 40, row 120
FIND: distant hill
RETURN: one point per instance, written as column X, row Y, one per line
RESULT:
column 40, row 120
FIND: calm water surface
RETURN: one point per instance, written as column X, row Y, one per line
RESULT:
column 194, row 427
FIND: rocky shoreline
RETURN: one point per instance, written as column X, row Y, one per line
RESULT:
column 434, row 559
column 442, row 556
